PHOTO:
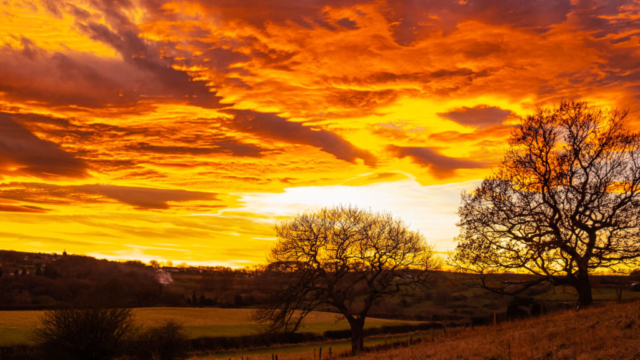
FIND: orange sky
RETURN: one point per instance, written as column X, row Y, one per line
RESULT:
column 182, row 131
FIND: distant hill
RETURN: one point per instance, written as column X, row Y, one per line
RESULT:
column 41, row 281
column 36, row 280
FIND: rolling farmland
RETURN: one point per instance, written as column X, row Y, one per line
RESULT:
column 16, row 326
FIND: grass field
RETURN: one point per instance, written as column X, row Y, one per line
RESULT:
column 606, row 331
column 16, row 326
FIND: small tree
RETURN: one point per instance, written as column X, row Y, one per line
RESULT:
column 84, row 334
column 344, row 258
column 565, row 201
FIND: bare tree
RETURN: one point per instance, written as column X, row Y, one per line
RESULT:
column 344, row 258
column 565, row 201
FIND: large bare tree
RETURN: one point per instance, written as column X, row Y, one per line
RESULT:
column 565, row 201
column 345, row 258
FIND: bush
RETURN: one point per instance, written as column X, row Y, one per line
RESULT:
column 442, row 298
column 84, row 334
column 383, row 330
column 19, row 352
column 165, row 342
column 252, row 341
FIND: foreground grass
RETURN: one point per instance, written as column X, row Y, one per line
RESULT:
column 307, row 350
column 610, row 331
column 16, row 326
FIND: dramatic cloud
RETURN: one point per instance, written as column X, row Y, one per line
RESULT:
column 21, row 209
column 275, row 127
column 227, row 147
column 145, row 197
column 139, row 197
column 134, row 122
column 440, row 165
column 479, row 116
column 22, row 153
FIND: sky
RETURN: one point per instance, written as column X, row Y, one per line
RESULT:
column 184, row 130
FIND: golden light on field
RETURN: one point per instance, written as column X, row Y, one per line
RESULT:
column 182, row 130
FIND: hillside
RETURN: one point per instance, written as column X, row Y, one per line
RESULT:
column 610, row 331
column 607, row 331
column 37, row 281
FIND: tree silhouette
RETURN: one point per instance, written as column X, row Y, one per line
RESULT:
column 565, row 201
column 344, row 258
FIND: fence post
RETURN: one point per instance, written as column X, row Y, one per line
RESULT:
column 320, row 353
column 330, row 356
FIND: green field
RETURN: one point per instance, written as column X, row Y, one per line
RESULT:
column 16, row 326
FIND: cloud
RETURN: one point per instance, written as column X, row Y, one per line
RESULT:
column 138, row 197
column 490, row 133
column 22, row 153
column 410, row 22
column 230, row 147
column 478, row 116
column 58, row 79
column 21, row 209
column 315, row 93
column 274, row 127
column 81, row 79
column 440, row 166
column 145, row 197
column 142, row 55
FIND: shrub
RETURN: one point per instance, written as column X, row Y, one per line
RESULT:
column 165, row 342
column 442, row 298
column 84, row 334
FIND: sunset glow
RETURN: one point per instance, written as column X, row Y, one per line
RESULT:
column 183, row 130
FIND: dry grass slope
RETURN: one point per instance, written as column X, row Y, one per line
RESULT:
column 611, row 331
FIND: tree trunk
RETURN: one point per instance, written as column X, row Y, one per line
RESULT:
column 583, row 286
column 357, row 336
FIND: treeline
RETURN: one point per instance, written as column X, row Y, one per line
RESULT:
column 40, row 281
column 43, row 281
